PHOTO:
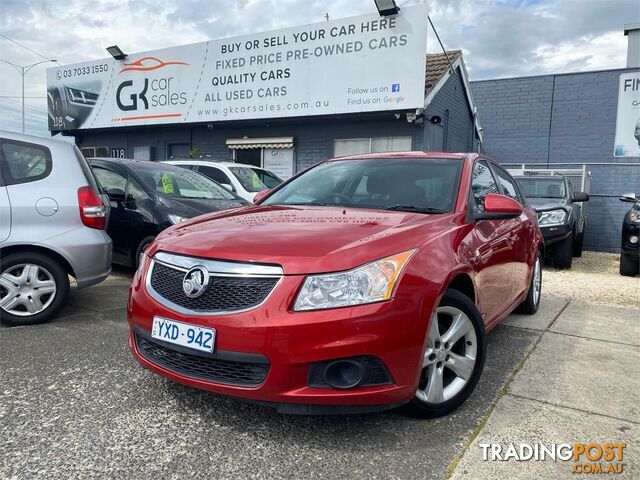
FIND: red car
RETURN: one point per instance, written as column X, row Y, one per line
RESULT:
column 361, row 284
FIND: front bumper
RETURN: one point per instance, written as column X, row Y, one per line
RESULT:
column 291, row 342
column 555, row 233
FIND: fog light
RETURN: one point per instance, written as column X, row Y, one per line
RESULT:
column 344, row 374
column 633, row 239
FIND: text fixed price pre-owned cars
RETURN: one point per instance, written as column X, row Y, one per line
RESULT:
column 361, row 284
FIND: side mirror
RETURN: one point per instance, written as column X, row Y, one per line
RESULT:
column 629, row 197
column 116, row 195
column 228, row 186
column 580, row 197
column 499, row 207
column 261, row 195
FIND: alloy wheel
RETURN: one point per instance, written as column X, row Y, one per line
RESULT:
column 26, row 289
column 537, row 281
column 450, row 357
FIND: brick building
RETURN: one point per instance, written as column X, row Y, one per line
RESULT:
column 447, row 122
column 564, row 121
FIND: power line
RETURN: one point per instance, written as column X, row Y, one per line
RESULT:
column 27, row 48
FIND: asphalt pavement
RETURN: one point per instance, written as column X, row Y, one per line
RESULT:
column 75, row 404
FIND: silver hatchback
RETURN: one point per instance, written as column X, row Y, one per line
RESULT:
column 52, row 225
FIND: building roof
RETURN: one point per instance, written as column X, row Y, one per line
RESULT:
column 440, row 66
column 437, row 67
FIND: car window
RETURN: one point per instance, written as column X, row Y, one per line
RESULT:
column 255, row 179
column 542, row 187
column 171, row 181
column 110, row 180
column 214, row 174
column 135, row 192
column 507, row 183
column 482, row 183
column 407, row 184
column 24, row 162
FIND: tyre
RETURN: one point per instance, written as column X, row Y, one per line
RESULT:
column 578, row 244
column 453, row 359
column 143, row 244
column 33, row 288
column 531, row 303
column 629, row 265
column 563, row 253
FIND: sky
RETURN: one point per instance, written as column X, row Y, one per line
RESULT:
column 499, row 38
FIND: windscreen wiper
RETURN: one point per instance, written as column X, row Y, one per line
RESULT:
column 414, row 208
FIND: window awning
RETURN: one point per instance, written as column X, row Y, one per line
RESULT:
column 267, row 142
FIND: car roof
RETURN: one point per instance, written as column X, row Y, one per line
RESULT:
column 23, row 137
column 408, row 154
column 209, row 162
column 540, row 177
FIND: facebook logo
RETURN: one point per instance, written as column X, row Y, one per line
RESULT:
column 395, row 88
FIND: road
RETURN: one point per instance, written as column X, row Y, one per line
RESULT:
column 75, row 404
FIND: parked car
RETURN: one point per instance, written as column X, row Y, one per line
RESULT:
column 630, row 257
column 361, row 284
column 52, row 222
column 244, row 180
column 147, row 197
column 560, row 215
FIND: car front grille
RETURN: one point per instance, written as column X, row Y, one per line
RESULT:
column 202, row 367
column 223, row 294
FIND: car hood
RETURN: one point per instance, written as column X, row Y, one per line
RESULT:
column 192, row 207
column 546, row 203
column 303, row 239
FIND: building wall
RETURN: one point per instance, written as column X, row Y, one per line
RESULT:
column 451, row 104
column 313, row 138
column 568, row 118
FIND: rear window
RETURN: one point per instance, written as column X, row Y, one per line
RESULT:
column 88, row 173
column 23, row 162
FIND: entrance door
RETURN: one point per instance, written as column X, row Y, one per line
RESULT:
column 249, row 156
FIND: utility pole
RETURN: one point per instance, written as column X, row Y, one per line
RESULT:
column 23, row 70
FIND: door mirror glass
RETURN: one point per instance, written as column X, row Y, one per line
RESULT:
column 629, row 197
column 499, row 207
column 261, row 195
column 580, row 197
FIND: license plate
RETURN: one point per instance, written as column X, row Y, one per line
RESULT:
column 184, row 334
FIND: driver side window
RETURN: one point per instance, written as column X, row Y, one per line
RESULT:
column 482, row 183
column 110, row 180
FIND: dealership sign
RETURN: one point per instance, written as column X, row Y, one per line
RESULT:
column 359, row 64
column 627, row 142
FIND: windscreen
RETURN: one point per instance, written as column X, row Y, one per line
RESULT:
column 255, row 179
column 177, row 182
column 542, row 187
column 411, row 184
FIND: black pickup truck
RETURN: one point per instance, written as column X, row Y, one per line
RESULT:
column 560, row 215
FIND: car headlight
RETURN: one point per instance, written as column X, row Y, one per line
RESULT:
column 175, row 219
column 373, row 282
column 552, row 217
column 634, row 216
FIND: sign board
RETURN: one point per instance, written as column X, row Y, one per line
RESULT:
column 278, row 161
column 360, row 64
column 627, row 143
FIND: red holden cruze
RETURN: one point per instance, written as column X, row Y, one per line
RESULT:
column 361, row 284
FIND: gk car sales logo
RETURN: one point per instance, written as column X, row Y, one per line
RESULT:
column 149, row 92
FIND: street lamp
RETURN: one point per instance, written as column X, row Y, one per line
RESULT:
column 116, row 53
column 23, row 71
column 387, row 7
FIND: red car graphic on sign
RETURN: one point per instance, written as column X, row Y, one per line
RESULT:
column 146, row 64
